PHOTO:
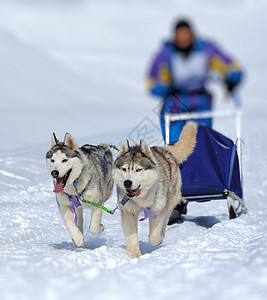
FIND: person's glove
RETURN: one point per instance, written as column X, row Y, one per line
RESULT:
column 230, row 86
column 174, row 90
column 232, row 80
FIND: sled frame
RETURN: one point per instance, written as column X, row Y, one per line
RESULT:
column 236, row 205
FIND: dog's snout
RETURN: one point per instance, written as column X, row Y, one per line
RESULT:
column 54, row 173
column 128, row 184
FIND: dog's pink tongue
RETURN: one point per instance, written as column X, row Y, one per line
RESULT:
column 131, row 193
column 59, row 186
column 137, row 192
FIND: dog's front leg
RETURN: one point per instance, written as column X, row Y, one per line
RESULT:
column 96, row 227
column 74, row 231
column 158, row 225
column 129, row 226
column 95, row 194
column 156, row 231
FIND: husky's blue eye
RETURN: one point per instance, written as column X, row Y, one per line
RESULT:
column 64, row 160
column 139, row 170
column 52, row 161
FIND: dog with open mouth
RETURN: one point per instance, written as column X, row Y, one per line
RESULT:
column 80, row 173
column 150, row 181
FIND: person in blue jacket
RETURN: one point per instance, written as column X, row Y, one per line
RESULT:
column 179, row 73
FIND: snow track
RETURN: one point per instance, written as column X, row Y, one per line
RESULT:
column 204, row 256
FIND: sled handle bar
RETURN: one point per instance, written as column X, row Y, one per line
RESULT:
column 170, row 117
column 234, row 112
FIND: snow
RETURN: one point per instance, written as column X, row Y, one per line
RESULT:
column 79, row 66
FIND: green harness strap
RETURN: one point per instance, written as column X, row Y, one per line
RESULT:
column 99, row 206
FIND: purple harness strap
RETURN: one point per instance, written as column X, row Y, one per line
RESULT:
column 147, row 213
column 74, row 203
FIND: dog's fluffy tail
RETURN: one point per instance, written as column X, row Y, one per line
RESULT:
column 185, row 146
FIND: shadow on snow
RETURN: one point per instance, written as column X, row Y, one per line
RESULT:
column 91, row 244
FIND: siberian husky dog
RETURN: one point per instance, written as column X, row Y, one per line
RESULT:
column 150, row 180
column 80, row 173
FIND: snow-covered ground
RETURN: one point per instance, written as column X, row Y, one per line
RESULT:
column 79, row 66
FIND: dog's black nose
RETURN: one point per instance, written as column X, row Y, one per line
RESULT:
column 128, row 184
column 54, row 173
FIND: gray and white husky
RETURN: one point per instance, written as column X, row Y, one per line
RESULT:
column 80, row 173
column 150, row 180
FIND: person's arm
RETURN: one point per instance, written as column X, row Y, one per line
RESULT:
column 159, row 79
column 229, row 68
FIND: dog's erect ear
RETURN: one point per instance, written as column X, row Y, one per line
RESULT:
column 146, row 149
column 54, row 141
column 70, row 142
column 124, row 148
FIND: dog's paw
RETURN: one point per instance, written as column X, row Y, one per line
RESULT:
column 155, row 240
column 101, row 228
column 78, row 238
column 136, row 254
column 97, row 230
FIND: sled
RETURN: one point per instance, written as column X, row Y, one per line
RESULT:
column 214, row 170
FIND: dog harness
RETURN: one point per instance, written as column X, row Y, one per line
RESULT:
column 74, row 203
column 147, row 212
column 75, row 200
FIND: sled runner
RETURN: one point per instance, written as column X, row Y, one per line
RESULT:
column 214, row 170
